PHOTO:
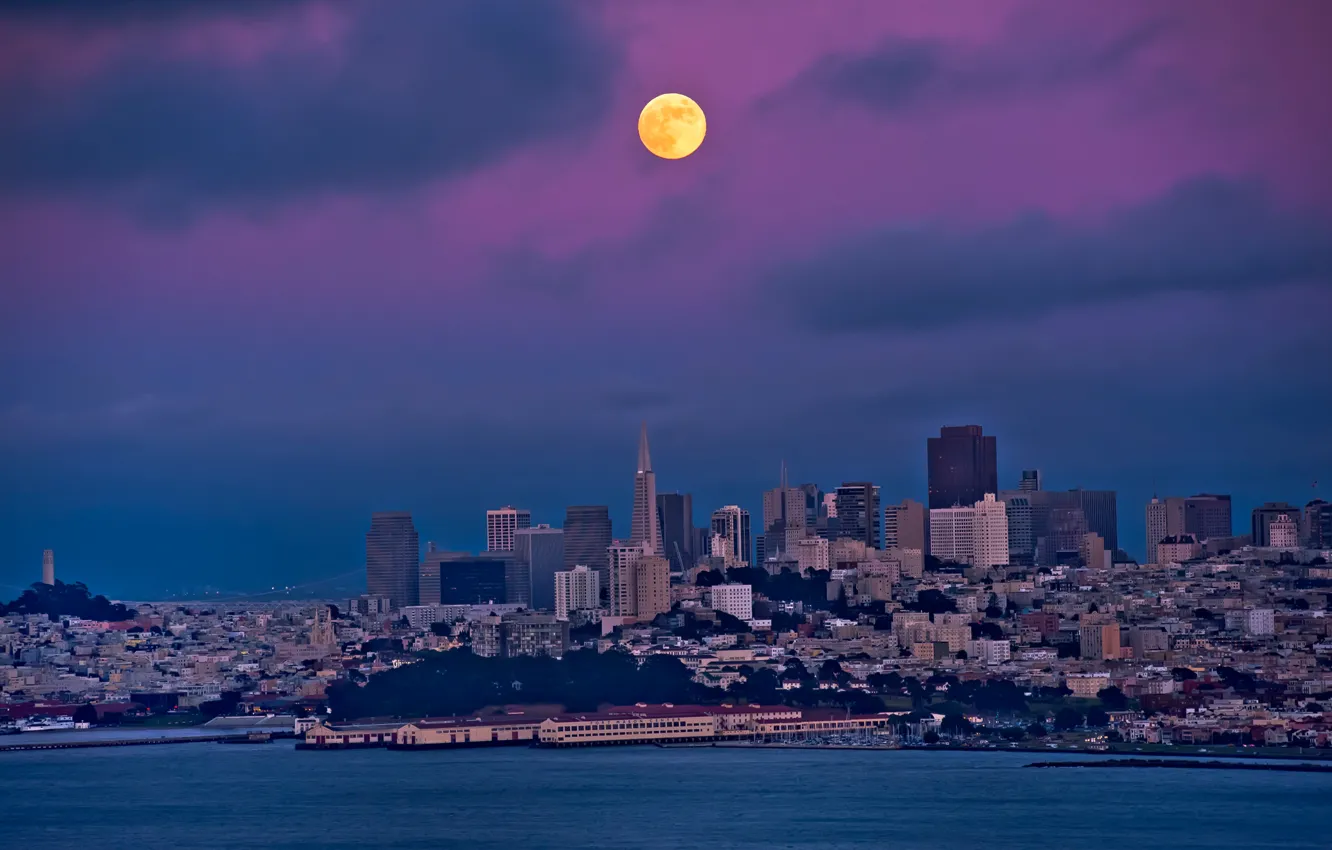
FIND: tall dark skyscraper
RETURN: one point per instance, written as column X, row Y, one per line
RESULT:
column 540, row 551
column 1318, row 524
column 858, row 514
column 962, row 466
column 1099, row 513
column 587, row 535
column 675, row 515
column 392, row 558
column 1207, row 516
column 475, row 579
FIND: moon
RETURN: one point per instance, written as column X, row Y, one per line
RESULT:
column 672, row 126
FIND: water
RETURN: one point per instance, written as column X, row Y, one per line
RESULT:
column 232, row 797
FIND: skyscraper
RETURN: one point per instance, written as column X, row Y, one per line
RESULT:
column 1207, row 516
column 392, row 558
column 904, row 526
column 858, row 513
column 623, row 558
column 991, row 533
column 644, row 528
column 675, row 517
column 541, row 552
column 1021, row 542
column 1264, row 516
column 501, row 525
column 1318, row 524
column 587, row 534
column 467, row 579
column 48, row 567
column 962, row 466
column 731, row 524
column 578, row 589
column 784, row 518
column 1165, row 518
column 1031, row 480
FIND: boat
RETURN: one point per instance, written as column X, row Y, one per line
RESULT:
column 45, row 724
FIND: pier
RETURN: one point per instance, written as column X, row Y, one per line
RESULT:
column 131, row 742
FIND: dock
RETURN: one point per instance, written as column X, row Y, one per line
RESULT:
column 130, row 742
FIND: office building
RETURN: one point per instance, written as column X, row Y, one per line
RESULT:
column 392, row 558
column 652, row 587
column 1092, row 551
column 734, row 599
column 1264, row 516
column 953, row 534
column 1031, row 480
column 1207, row 516
column 587, row 537
column 1062, row 542
column 1165, row 518
column 904, row 526
column 1177, row 549
column 520, row 634
column 501, row 526
column 644, row 529
column 858, row 513
column 1021, row 542
column 540, row 551
column 675, row 517
column 1283, row 532
column 428, row 575
column 578, row 589
column 1318, row 524
column 1099, row 640
column 976, row 535
column 990, row 530
column 48, row 567
column 624, row 557
column 962, row 466
column 467, row 579
column 731, row 524
column 812, row 554
column 784, row 519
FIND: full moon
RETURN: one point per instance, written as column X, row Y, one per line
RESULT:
column 672, row 126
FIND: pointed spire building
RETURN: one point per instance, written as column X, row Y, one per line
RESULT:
column 645, row 529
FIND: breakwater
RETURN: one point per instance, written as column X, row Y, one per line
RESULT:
column 1295, row 767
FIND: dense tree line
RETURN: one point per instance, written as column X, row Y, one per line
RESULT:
column 66, row 600
column 460, row 683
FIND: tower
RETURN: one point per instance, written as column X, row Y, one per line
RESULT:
column 48, row 567
column 392, row 558
column 962, row 466
column 501, row 526
column 645, row 528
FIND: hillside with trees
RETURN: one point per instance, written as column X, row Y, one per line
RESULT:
column 67, row 600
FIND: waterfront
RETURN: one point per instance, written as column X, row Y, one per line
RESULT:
column 272, row 797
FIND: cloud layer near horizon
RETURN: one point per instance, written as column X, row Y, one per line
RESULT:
column 269, row 270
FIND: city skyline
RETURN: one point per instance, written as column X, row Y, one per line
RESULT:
column 228, row 354
column 1102, row 514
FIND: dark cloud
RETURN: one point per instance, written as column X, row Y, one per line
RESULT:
column 113, row 12
column 421, row 89
column 1206, row 235
column 901, row 74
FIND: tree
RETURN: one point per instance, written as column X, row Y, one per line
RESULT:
column 931, row 738
column 1036, row 730
column 961, row 655
column 1112, row 698
column 85, row 713
column 1067, row 718
column 932, row 602
column 955, row 725
column 830, row 670
column 1096, row 717
column 709, row 578
column 66, row 600
column 1183, row 674
column 1012, row 733
column 440, row 629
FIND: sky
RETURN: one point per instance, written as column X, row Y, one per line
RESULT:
column 268, row 267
